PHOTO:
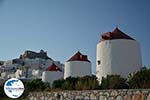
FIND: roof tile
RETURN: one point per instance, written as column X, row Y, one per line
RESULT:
column 79, row 57
column 115, row 34
column 53, row 67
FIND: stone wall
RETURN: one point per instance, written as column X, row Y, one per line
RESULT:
column 124, row 94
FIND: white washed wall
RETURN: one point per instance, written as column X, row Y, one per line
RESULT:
column 77, row 69
column 118, row 56
column 50, row 76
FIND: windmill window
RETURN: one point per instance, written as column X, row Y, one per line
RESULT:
column 98, row 62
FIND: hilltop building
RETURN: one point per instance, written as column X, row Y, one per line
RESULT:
column 77, row 66
column 32, row 55
column 117, row 53
column 30, row 65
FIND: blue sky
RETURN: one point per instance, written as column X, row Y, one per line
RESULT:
column 62, row 27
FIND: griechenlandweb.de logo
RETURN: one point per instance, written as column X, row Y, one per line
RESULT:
column 13, row 88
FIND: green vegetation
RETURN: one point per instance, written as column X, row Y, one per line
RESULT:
column 140, row 79
column 78, row 83
column 36, row 85
column 114, row 82
column 87, row 83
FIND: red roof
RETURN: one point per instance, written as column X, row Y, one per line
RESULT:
column 116, row 34
column 79, row 57
column 53, row 67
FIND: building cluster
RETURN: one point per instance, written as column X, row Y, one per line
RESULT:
column 28, row 66
column 117, row 53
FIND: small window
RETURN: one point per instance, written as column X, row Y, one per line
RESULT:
column 98, row 62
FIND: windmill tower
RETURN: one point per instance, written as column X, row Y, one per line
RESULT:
column 117, row 53
column 77, row 66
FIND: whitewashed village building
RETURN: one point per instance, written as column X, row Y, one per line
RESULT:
column 29, row 66
column 77, row 66
column 117, row 53
column 52, row 73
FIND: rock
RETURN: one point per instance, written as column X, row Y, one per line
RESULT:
column 79, row 97
column 86, row 98
column 100, row 93
column 145, row 91
column 127, row 97
column 138, row 97
column 102, row 98
column 46, row 98
column 130, row 92
column 114, row 93
column 148, row 97
column 111, row 98
column 65, row 94
column 119, row 98
column 106, row 94
column 92, row 96
column 42, row 98
column 137, row 92
column 95, row 92
column 32, row 98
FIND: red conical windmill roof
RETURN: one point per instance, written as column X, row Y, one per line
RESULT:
column 53, row 67
column 79, row 57
column 115, row 34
